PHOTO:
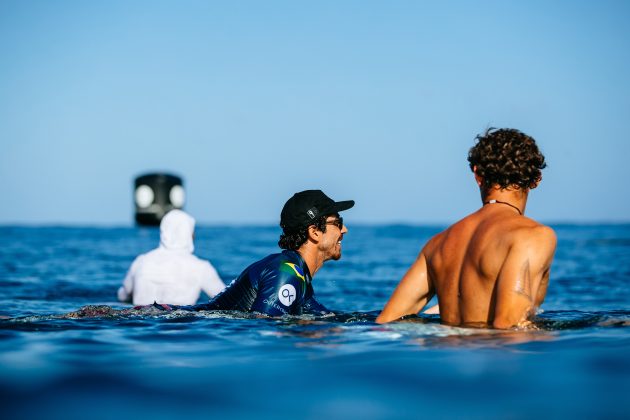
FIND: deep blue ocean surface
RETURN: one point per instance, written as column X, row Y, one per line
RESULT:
column 216, row 365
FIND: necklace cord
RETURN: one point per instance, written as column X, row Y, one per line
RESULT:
column 503, row 202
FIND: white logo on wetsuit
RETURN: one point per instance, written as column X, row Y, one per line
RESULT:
column 286, row 294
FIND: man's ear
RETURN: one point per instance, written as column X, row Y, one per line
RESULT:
column 478, row 178
column 314, row 233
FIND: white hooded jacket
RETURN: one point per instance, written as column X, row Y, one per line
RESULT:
column 171, row 273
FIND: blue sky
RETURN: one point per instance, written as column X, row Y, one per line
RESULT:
column 251, row 101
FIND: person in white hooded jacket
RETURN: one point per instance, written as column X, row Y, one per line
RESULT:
column 171, row 273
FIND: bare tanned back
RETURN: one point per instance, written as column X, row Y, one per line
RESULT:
column 466, row 261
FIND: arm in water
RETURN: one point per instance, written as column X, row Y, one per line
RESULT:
column 211, row 284
column 412, row 293
column 522, row 282
column 125, row 292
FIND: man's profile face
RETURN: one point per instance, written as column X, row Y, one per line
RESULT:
column 330, row 243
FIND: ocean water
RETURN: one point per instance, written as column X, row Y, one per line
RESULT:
column 220, row 365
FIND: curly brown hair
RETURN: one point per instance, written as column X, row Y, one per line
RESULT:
column 293, row 239
column 506, row 157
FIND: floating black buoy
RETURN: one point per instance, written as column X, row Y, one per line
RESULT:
column 155, row 195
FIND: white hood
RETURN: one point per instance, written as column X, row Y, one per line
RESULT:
column 176, row 231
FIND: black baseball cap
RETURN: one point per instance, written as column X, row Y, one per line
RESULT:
column 306, row 206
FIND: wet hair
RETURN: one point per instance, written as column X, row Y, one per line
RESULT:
column 293, row 239
column 507, row 158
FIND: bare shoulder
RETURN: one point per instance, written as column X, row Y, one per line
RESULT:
column 535, row 236
column 535, row 231
column 435, row 241
column 545, row 233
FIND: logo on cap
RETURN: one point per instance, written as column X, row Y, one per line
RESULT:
column 312, row 212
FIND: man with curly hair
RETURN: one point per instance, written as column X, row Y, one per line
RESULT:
column 490, row 269
column 281, row 284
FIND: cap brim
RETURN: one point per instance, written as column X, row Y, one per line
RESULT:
column 343, row 205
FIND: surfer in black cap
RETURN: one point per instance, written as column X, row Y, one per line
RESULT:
column 281, row 284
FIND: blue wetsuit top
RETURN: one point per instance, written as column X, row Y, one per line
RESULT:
column 279, row 284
